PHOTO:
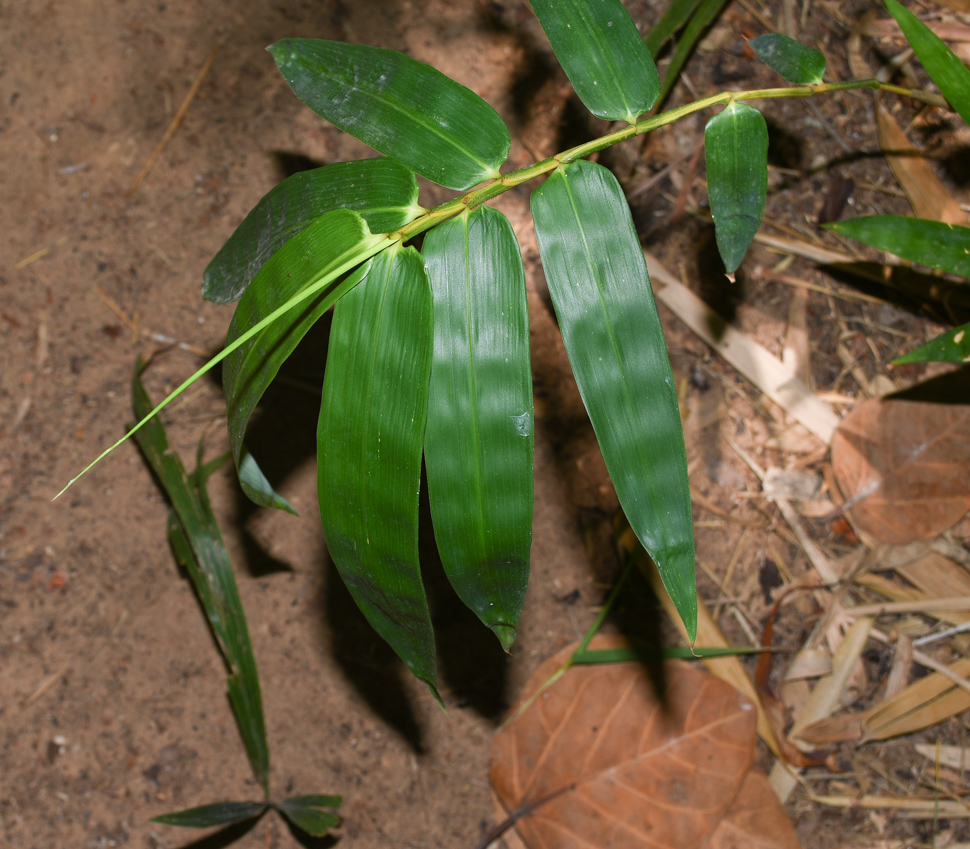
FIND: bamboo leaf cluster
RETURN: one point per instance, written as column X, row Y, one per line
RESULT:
column 428, row 361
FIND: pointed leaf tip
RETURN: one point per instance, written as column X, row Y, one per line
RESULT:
column 207, row 816
column 506, row 635
column 736, row 148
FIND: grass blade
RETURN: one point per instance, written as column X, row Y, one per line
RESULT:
column 790, row 59
column 369, row 441
column 384, row 192
column 601, row 291
column 218, row 813
column 312, row 814
column 310, row 264
column 677, row 14
column 479, row 439
column 402, row 108
column 701, row 18
column 942, row 64
column 930, row 243
column 603, row 54
column 197, row 543
column 736, row 147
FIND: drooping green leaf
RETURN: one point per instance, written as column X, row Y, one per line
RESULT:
column 312, row 814
column 402, row 108
column 308, row 265
column 677, row 14
column 942, row 64
column 931, row 243
column 601, row 291
column 197, row 543
column 479, row 440
column 369, row 440
column 218, row 813
column 792, row 60
column 603, row 54
column 700, row 19
column 736, row 147
column 950, row 347
column 383, row 191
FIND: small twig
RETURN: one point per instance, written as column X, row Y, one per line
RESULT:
column 523, row 810
column 113, row 306
column 176, row 121
column 922, row 605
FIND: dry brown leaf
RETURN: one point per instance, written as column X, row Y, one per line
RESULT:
column 904, row 467
column 619, row 767
column 755, row 820
column 927, row 195
column 925, row 703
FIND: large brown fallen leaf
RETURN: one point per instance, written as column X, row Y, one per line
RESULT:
column 596, row 760
column 904, row 467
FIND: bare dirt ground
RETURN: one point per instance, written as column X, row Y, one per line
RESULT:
column 112, row 706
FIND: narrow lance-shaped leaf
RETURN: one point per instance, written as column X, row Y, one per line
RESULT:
column 792, row 60
column 383, row 191
column 479, row 440
column 932, row 243
column 677, row 14
column 601, row 291
column 700, row 19
column 218, row 813
column 736, row 148
column 942, row 64
column 603, row 54
column 312, row 814
column 950, row 347
column 369, row 440
column 309, row 264
column 198, row 545
column 303, row 250
column 402, row 108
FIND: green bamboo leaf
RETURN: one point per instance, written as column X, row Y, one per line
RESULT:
column 197, row 543
column 601, row 291
column 677, row 14
column 218, row 813
column 950, row 347
column 369, row 439
column 931, row 243
column 942, row 64
column 603, row 54
column 312, row 814
column 478, row 443
column 736, row 147
column 791, row 59
column 309, row 266
column 701, row 18
column 402, row 108
column 383, row 191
